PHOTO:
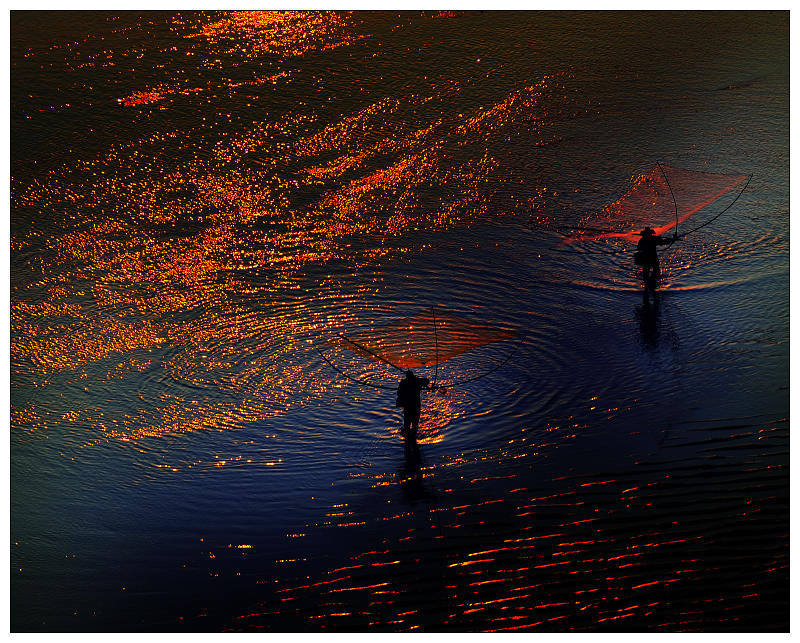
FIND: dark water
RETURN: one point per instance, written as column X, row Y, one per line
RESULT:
column 200, row 200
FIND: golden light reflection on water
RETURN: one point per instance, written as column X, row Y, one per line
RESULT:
column 181, row 269
column 289, row 33
column 429, row 177
column 585, row 569
column 505, row 557
column 131, row 283
column 237, row 38
column 140, row 98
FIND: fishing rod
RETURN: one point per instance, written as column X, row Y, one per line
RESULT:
column 664, row 174
column 498, row 366
column 352, row 379
column 436, row 347
column 375, row 355
column 725, row 210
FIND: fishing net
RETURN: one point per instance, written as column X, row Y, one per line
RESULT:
column 649, row 202
column 424, row 339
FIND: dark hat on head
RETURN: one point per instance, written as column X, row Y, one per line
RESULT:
column 646, row 231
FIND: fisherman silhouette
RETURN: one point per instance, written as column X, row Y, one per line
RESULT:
column 646, row 256
column 408, row 396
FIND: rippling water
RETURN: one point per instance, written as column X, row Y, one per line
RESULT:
column 200, row 200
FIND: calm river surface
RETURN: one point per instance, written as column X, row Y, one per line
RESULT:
column 200, row 200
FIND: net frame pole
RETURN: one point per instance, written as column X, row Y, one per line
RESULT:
column 675, row 203
column 508, row 357
column 436, row 346
column 375, row 355
column 352, row 379
column 725, row 210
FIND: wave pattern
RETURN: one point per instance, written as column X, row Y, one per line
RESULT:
column 602, row 552
column 200, row 201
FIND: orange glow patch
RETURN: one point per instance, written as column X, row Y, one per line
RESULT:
column 141, row 98
column 289, row 33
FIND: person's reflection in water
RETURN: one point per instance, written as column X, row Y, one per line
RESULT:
column 648, row 314
column 411, row 475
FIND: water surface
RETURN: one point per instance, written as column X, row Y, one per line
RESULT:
column 201, row 199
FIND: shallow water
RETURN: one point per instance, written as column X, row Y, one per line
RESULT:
column 201, row 200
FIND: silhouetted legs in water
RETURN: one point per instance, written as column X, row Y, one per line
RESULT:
column 410, row 424
column 651, row 274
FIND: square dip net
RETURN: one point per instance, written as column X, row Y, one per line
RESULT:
column 426, row 338
column 661, row 198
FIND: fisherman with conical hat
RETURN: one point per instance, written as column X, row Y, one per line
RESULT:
column 408, row 396
column 646, row 256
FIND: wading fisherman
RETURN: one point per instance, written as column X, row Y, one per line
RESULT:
column 408, row 396
column 646, row 256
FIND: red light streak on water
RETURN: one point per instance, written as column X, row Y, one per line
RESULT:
column 592, row 484
column 492, row 551
column 525, row 626
column 579, row 522
column 322, row 582
column 474, row 480
column 339, row 569
column 519, row 540
column 498, row 600
column 583, row 542
column 350, row 589
column 613, row 618
column 656, row 582
column 672, row 542
column 566, row 562
column 472, row 562
column 641, row 553
column 488, row 582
